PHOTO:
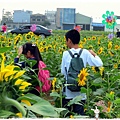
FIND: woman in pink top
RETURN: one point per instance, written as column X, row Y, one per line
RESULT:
column 4, row 28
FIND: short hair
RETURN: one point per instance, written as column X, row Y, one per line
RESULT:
column 73, row 35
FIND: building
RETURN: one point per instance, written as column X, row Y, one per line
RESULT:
column 38, row 19
column 51, row 15
column 21, row 16
column 65, row 18
column 98, row 26
column 83, row 21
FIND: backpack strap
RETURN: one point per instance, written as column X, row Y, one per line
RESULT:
column 70, row 53
column 78, row 54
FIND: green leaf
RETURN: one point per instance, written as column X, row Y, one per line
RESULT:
column 59, row 110
column 4, row 49
column 30, row 97
column 75, row 100
column 31, row 63
column 54, row 94
column 97, row 82
column 83, row 90
column 44, row 108
column 5, row 114
column 99, row 91
column 117, row 101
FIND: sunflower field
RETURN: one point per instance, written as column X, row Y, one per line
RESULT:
column 101, row 85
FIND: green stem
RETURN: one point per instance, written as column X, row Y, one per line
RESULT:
column 13, row 102
column 108, row 84
column 87, row 94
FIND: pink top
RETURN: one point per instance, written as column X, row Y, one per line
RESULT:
column 4, row 28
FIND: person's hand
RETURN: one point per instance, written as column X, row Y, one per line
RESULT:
column 20, row 49
column 92, row 52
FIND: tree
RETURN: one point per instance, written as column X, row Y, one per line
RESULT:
column 46, row 23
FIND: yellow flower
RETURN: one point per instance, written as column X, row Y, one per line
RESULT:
column 101, row 70
column 109, row 105
column 18, row 82
column 89, row 38
column 93, row 69
column 93, row 37
column 111, row 93
column 100, row 50
column 80, row 46
column 115, row 65
column 110, row 45
column 3, row 56
column 19, row 115
column 53, row 82
column 84, row 40
column 98, row 42
column 41, row 49
column 24, row 85
column 28, row 36
column 90, row 47
column 7, row 71
column 71, row 116
column 111, row 54
column 31, row 33
column 20, row 73
column 82, row 77
column 116, row 47
column 26, row 102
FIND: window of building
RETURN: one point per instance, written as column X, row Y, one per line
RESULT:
column 33, row 20
column 9, row 25
column 38, row 19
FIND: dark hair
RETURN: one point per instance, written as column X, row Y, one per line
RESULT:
column 33, row 49
column 73, row 35
column 4, row 23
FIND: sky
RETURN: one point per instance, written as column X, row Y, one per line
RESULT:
column 91, row 8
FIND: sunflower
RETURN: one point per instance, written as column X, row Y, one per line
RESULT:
column 110, row 45
column 115, row 65
column 100, row 50
column 82, row 77
column 84, row 40
column 53, row 84
column 41, row 49
column 93, row 37
column 109, row 106
column 93, row 69
column 28, row 36
column 101, row 70
column 99, row 41
column 116, row 47
column 90, row 47
column 88, row 38
column 31, row 33
column 111, row 54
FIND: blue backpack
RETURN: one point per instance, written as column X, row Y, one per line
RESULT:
column 76, row 65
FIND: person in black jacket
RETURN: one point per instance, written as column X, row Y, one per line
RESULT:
column 118, row 33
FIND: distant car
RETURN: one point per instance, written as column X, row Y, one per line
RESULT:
column 40, row 30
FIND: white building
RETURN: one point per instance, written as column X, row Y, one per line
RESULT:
column 50, row 16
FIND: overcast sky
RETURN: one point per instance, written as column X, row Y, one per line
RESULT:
column 91, row 8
